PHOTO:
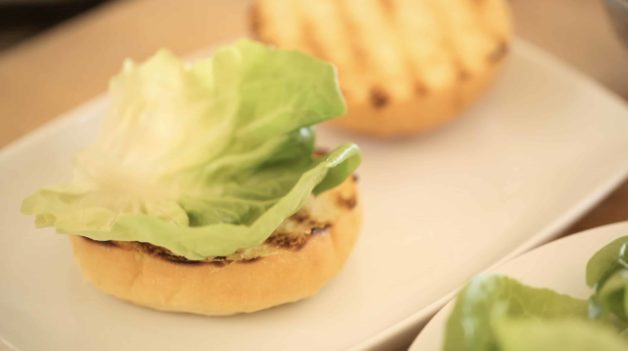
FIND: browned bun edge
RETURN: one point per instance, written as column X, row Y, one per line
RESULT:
column 286, row 275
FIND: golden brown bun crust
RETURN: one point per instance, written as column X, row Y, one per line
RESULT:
column 405, row 66
column 210, row 289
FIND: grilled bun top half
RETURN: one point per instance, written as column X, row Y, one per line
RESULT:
column 405, row 66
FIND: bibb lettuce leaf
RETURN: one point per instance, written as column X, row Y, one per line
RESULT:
column 203, row 159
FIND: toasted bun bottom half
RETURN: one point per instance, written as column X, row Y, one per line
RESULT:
column 285, row 275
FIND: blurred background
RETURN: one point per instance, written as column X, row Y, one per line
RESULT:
column 23, row 19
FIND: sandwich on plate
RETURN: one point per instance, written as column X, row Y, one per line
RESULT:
column 204, row 192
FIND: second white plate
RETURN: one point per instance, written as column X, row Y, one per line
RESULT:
column 559, row 266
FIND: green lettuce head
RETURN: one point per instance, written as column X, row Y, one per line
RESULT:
column 203, row 159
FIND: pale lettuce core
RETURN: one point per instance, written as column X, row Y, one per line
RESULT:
column 203, row 159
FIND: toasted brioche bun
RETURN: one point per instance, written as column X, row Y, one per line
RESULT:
column 285, row 274
column 405, row 66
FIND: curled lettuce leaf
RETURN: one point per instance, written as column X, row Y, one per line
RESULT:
column 203, row 159
column 607, row 273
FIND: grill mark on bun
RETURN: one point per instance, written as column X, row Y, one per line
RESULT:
column 463, row 74
column 388, row 6
column 348, row 203
column 420, row 88
column 301, row 216
column 250, row 260
column 165, row 254
column 256, row 21
column 358, row 51
column 219, row 261
column 287, row 241
column 499, row 52
column 379, row 98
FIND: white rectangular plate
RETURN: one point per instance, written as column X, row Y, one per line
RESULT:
column 540, row 149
